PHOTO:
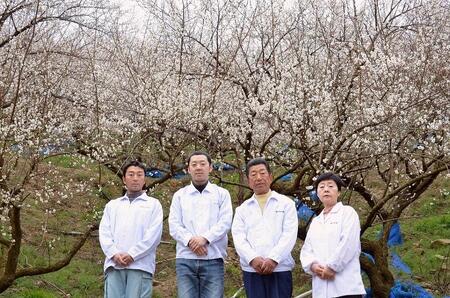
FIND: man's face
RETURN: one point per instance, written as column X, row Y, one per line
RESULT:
column 328, row 192
column 134, row 179
column 259, row 179
column 199, row 169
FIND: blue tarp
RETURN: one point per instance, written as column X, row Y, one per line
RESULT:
column 179, row 175
column 401, row 289
column 371, row 258
column 398, row 264
column 407, row 289
column 395, row 235
column 158, row 174
column 48, row 149
column 303, row 212
column 313, row 195
column 404, row 289
column 222, row 166
column 396, row 238
column 153, row 173
column 287, row 177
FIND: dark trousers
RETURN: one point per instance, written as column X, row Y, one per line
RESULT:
column 275, row 285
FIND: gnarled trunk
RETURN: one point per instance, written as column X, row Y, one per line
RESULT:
column 381, row 279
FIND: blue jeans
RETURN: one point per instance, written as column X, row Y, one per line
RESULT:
column 127, row 283
column 200, row 278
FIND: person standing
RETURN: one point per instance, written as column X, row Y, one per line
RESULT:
column 129, row 232
column 199, row 220
column 264, row 232
column 332, row 245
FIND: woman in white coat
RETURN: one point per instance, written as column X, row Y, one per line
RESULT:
column 332, row 245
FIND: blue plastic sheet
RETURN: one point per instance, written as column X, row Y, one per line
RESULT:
column 179, row 175
column 48, row 149
column 395, row 235
column 401, row 289
column 398, row 264
column 153, row 173
column 371, row 258
column 408, row 290
column 304, row 212
column 222, row 166
column 287, row 177
column 313, row 195
column 404, row 290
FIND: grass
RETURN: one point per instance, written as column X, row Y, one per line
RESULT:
column 81, row 278
column 428, row 263
column 425, row 221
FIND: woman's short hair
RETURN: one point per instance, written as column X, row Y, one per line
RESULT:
column 329, row 176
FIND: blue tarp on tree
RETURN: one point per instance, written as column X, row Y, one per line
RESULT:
column 401, row 289
column 303, row 212
column 287, row 177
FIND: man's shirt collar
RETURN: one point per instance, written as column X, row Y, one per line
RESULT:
column 191, row 188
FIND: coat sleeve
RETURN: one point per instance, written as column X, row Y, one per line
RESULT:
column 288, row 236
column 243, row 247
column 307, row 257
column 105, row 233
column 152, row 235
column 221, row 228
column 176, row 227
column 349, row 245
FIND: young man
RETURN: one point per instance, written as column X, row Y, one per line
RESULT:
column 264, row 232
column 129, row 232
column 200, row 217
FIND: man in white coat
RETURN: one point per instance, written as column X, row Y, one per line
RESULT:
column 264, row 233
column 129, row 232
column 199, row 220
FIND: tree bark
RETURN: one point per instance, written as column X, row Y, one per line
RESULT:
column 381, row 279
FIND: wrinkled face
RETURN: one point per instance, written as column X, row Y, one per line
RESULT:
column 259, row 179
column 199, row 169
column 328, row 192
column 134, row 179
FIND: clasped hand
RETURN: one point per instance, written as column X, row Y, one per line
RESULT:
column 198, row 245
column 323, row 272
column 123, row 259
column 263, row 265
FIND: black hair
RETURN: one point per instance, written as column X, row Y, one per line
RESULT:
column 199, row 153
column 133, row 163
column 257, row 161
column 329, row 176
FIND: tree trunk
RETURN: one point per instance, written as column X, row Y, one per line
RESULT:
column 381, row 279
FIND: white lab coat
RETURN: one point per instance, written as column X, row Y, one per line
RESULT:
column 207, row 214
column 132, row 227
column 269, row 234
column 333, row 240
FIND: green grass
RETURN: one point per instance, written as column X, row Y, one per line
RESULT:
column 80, row 278
column 427, row 262
column 426, row 220
column 35, row 293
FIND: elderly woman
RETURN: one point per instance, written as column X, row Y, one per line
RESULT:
column 332, row 246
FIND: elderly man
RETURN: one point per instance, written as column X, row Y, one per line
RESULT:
column 264, row 232
column 199, row 220
column 129, row 232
